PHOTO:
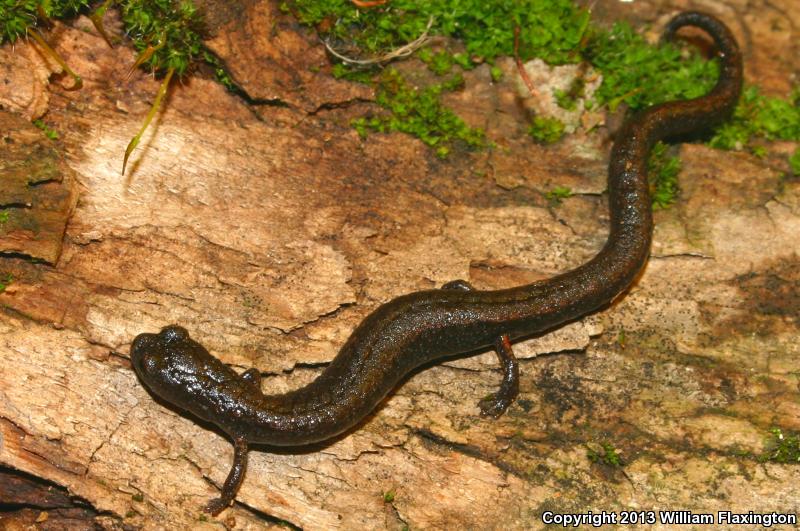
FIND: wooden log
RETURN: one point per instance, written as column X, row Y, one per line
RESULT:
column 271, row 231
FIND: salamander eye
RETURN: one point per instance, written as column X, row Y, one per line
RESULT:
column 149, row 363
column 141, row 343
column 174, row 333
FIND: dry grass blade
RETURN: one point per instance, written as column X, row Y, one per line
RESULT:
column 403, row 51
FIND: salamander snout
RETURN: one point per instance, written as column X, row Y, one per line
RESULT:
column 173, row 333
column 149, row 351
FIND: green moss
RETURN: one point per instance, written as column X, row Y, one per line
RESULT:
column 639, row 74
column 621, row 339
column 358, row 74
column 565, row 100
column 50, row 133
column 497, row 73
column 663, row 173
column 167, row 34
column 4, row 215
column 63, row 8
column 222, row 76
column 634, row 72
column 389, row 496
column 464, row 61
column 606, row 454
column 420, row 113
column 782, row 448
column 550, row 29
column 16, row 16
column 558, row 194
column 794, row 161
column 5, row 281
column 546, row 130
column 440, row 62
column 759, row 116
column 568, row 99
column 167, row 31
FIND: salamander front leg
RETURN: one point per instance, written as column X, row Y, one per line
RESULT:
column 459, row 284
column 234, row 480
column 252, row 376
column 495, row 404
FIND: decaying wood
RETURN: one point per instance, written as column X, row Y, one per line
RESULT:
column 271, row 231
column 37, row 192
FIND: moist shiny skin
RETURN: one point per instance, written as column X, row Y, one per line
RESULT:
column 424, row 326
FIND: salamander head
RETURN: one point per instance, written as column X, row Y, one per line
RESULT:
column 179, row 370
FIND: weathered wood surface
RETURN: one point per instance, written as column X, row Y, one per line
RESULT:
column 37, row 188
column 271, row 231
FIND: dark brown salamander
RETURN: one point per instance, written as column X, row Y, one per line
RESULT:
column 421, row 327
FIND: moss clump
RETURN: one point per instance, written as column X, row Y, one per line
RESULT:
column 49, row 132
column 558, row 194
column 550, row 29
column 663, row 173
column 568, row 99
column 5, row 280
column 546, row 130
column 794, row 161
column 170, row 28
column 167, row 35
column 168, row 31
column 782, row 448
column 62, row 8
column 16, row 16
column 606, row 454
column 440, row 63
column 759, row 116
column 640, row 74
column 557, row 31
column 419, row 112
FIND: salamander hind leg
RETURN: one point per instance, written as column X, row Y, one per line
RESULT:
column 495, row 404
column 234, row 480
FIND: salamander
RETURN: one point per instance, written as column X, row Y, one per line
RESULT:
column 425, row 326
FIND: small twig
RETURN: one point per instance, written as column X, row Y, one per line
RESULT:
column 403, row 51
column 522, row 72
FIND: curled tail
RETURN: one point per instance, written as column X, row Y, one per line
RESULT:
column 717, row 105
